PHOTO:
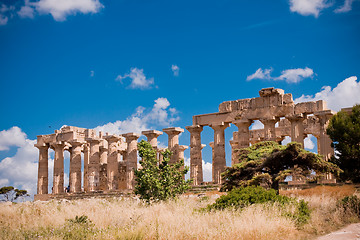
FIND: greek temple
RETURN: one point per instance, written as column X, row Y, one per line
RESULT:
column 108, row 160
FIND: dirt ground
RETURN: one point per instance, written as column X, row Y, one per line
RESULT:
column 350, row 232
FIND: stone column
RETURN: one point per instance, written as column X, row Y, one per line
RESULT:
column 122, row 170
column 42, row 184
column 112, row 162
column 103, row 165
column 86, row 150
column 94, row 165
column 243, row 138
column 325, row 142
column 219, row 161
column 173, row 143
column 182, row 148
column 131, row 158
column 152, row 136
column 196, row 173
column 75, row 167
column 58, row 180
column 234, row 145
column 297, row 128
column 269, row 128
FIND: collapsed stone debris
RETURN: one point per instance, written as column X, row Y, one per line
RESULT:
column 109, row 160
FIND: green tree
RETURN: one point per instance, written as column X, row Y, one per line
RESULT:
column 268, row 163
column 157, row 181
column 11, row 194
column 344, row 131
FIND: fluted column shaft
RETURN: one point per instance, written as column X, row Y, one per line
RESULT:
column 219, row 160
column 58, row 180
column 269, row 128
column 94, row 165
column 112, row 163
column 325, row 142
column 297, row 128
column 131, row 158
column 173, row 142
column 75, row 167
column 42, row 184
column 196, row 173
column 243, row 138
column 86, row 166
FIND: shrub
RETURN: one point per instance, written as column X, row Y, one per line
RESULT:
column 351, row 203
column 242, row 197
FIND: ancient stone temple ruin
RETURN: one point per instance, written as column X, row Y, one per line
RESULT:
column 108, row 161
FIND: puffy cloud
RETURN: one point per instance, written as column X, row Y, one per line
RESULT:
column 345, row 8
column 175, row 70
column 19, row 170
column 308, row 143
column 159, row 115
column 308, row 7
column 92, row 73
column 12, row 137
column 295, row 75
column 138, row 79
column 26, row 11
column 61, row 9
column 289, row 75
column 345, row 94
column 260, row 74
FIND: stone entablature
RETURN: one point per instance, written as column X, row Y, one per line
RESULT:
column 295, row 120
column 108, row 160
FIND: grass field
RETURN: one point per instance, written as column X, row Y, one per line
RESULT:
column 181, row 219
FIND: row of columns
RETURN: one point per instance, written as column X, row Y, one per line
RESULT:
column 97, row 155
column 243, row 141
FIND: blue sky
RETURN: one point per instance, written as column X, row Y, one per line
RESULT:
column 103, row 64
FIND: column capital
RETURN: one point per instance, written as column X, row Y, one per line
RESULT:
column 219, row 126
column 173, row 130
column 75, row 143
column 41, row 146
column 324, row 113
column 242, row 122
column 112, row 138
column 131, row 136
column 152, row 133
column 295, row 117
column 194, row 128
column 269, row 119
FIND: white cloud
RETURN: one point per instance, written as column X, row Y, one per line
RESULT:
column 286, row 140
column 159, row 115
column 61, row 9
column 3, row 19
column 345, row 94
column 138, row 79
column 345, row 8
column 295, row 75
column 308, row 143
column 207, row 171
column 175, row 70
column 289, row 75
column 26, row 11
column 308, row 7
column 92, row 73
column 260, row 74
column 19, row 170
column 12, row 137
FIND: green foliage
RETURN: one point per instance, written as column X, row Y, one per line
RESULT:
column 268, row 163
column 11, row 194
column 344, row 131
column 351, row 203
column 157, row 181
column 242, row 197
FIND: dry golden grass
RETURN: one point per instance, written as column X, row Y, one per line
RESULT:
column 326, row 191
column 130, row 219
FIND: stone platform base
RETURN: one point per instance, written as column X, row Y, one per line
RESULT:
column 73, row 196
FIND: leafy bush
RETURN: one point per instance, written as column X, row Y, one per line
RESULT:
column 239, row 198
column 351, row 203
